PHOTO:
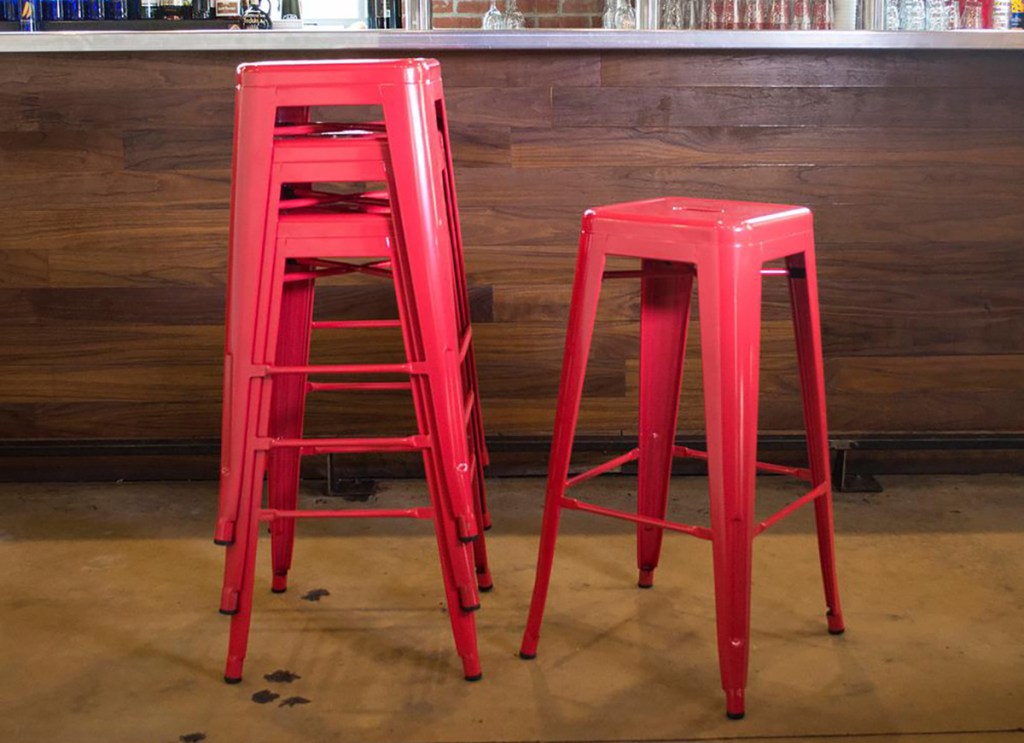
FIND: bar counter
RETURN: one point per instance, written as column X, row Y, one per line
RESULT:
column 531, row 40
column 116, row 149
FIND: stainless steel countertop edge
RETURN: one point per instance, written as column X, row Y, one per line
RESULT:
column 473, row 40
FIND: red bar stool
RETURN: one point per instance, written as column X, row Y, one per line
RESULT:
column 291, row 225
column 724, row 244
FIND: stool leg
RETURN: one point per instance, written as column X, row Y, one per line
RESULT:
column 250, row 189
column 484, row 581
column 244, row 550
column 287, row 409
column 249, row 478
column 582, row 311
column 803, row 292
column 730, row 312
column 664, row 316
column 455, row 559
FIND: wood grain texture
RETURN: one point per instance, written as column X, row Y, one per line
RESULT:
column 113, row 258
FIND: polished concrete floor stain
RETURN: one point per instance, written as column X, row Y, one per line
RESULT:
column 109, row 628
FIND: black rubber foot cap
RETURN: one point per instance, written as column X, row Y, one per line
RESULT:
column 836, row 631
column 526, row 656
column 475, row 678
column 475, row 607
column 232, row 680
column 641, row 585
column 485, row 589
column 228, row 612
column 734, row 715
column 279, row 590
column 223, row 542
column 468, row 540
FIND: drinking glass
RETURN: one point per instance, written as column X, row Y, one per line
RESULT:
column 952, row 15
column 801, row 15
column 729, row 14
column 973, row 15
column 625, row 16
column 514, row 18
column 935, row 15
column 671, row 15
column 608, row 17
column 493, row 18
column 823, row 15
column 690, row 14
column 892, row 15
column 753, row 15
column 912, row 15
column 778, row 15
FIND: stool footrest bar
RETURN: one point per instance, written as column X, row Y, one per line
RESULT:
column 345, row 369
column 354, row 324
column 678, row 270
column 270, row 514
column 357, row 386
column 700, row 532
column 783, row 512
column 602, row 468
column 351, row 446
column 778, row 469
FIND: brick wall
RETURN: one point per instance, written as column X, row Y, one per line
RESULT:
column 539, row 13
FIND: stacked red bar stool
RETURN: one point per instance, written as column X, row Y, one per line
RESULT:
column 724, row 245
column 304, row 207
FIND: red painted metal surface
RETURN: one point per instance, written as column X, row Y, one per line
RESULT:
column 724, row 245
column 287, row 232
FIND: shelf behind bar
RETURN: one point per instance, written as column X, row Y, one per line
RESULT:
column 193, row 37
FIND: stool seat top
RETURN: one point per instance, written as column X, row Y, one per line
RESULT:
column 338, row 72
column 683, row 211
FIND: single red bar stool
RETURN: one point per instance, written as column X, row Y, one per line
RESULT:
column 291, row 225
column 724, row 245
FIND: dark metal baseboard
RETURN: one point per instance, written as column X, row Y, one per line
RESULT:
column 857, row 458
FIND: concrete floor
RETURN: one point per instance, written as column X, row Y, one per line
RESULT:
column 109, row 630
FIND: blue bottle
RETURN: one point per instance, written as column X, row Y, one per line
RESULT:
column 28, row 15
column 9, row 10
column 116, row 10
column 93, row 10
column 74, row 10
column 51, row 10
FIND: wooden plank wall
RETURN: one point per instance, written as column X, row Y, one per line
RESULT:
column 112, row 252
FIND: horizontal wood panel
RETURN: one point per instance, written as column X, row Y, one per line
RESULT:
column 848, row 186
column 112, row 271
column 981, row 108
column 884, row 223
column 802, row 69
column 606, row 146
